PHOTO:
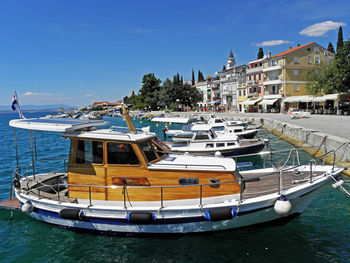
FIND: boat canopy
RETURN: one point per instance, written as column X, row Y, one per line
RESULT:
column 55, row 124
column 173, row 120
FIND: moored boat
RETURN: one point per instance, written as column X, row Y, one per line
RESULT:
column 129, row 183
column 205, row 140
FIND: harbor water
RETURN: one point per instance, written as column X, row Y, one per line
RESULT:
column 320, row 234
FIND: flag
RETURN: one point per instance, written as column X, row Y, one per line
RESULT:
column 15, row 105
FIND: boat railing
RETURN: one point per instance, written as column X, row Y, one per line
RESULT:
column 65, row 162
column 37, row 189
column 280, row 172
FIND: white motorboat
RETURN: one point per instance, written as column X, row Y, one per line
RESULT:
column 129, row 183
column 205, row 140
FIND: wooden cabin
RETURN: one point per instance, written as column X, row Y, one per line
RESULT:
column 107, row 158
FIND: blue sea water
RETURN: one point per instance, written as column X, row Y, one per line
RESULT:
column 320, row 234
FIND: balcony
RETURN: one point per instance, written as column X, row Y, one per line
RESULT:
column 272, row 82
column 272, row 68
column 252, row 82
column 254, row 70
column 252, row 95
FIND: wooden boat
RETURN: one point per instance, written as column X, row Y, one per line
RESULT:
column 129, row 183
column 205, row 140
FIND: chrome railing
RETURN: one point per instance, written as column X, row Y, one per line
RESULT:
column 292, row 156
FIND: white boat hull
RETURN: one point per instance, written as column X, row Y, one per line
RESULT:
column 178, row 219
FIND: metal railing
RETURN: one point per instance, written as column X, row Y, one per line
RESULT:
column 293, row 156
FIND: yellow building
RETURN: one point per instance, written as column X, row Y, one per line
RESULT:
column 285, row 74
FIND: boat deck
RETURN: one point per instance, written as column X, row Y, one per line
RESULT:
column 257, row 184
column 269, row 184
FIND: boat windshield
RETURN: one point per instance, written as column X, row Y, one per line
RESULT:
column 147, row 148
column 212, row 134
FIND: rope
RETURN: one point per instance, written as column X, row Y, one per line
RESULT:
column 319, row 147
column 342, row 189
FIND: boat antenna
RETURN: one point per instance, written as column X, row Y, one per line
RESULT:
column 129, row 122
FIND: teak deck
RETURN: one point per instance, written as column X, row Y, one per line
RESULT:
column 269, row 184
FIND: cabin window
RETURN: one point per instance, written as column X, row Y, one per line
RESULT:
column 89, row 152
column 159, row 150
column 220, row 144
column 121, row 153
column 218, row 121
column 149, row 151
column 238, row 130
column 231, row 144
column 201, row 135
column 209, row 145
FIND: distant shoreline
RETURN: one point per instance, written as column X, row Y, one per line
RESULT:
column 39, row 110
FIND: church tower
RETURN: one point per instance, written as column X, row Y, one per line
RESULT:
column 231, row 62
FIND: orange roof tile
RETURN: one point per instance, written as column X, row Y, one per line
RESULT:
column 291, row 50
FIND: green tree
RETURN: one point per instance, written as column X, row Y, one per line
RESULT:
column 193, row 79
column 260, row 53
column 331, row 48
column 150, row 86
column 334, row 76
column 200, row 76
column 340, row 39
column 223, row 68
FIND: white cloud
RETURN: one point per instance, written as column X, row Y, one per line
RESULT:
column 272, row 43
column 29, row 93
column 319, row 29
column 32, row 94
column 87, row 95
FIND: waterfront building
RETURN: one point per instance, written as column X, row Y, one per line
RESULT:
column 285, row 75
column 204, row 88
column 254, row 87
column 231, row 79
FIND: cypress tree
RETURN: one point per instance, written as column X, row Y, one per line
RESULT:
column 330, row 47
column 182, row 80
column 193, row 80
column 260, row 53
column 223, row 67
column 340, row 43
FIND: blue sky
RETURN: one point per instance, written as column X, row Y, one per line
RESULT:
column 76, row 52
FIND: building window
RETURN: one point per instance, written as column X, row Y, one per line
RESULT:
column 295, row 59
column 296, row 72
column 317, row 59
column 296, row 88
column 255, row 65
column 309, row 59
column 317, row 49
column 274, row 62
column 243, row 92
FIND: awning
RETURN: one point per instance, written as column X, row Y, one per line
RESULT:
column 325, row 97
column 268, row 102
column 306, row 98
column 250, row 101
